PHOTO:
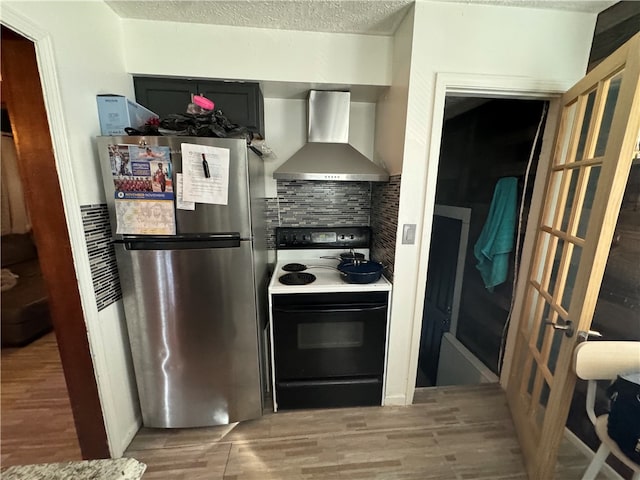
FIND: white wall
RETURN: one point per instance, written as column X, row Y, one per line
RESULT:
column 463, row 38
column 260, row 54
column 391, row 114
column 208, row 51
column 79, row 48
column 285, row 123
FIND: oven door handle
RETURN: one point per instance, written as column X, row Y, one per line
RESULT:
column 330, row 308
column 329, row 382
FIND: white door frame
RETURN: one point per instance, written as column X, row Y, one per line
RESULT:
column 489, row 86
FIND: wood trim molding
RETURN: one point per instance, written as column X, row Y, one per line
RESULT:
column 22, row 92
column 475, row 85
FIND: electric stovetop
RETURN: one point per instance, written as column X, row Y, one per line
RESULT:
column 302, row 266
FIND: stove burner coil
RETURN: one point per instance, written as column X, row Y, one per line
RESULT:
column 294, row 267
column 297, row 278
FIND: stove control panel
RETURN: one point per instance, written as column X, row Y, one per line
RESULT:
column 323, row 237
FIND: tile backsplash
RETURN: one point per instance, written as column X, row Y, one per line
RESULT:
column 318, row 203
column 385, row 200
column 102, row 257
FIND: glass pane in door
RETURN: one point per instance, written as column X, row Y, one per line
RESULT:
column 571, row 277
column 556, row 267
column 584, row 130
column 544, row 398
column 532, row 377
column 544, row 243
column 532, row 308
column 585, row 213
column 555, row 349
column 571, row 194
column 543, row 328
column 553, row 194
column 607, row 115
column 567, row 129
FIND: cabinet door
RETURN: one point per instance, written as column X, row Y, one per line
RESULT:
column 240, row 102
column 164, row 96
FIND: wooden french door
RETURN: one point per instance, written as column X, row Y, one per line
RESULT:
column 597, row 135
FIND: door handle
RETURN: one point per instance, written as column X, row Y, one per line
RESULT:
column 584, row 335
column 567, row 327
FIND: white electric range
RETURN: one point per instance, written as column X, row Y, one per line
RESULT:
column 328, row 337
column 306, row 249
column 327, row 277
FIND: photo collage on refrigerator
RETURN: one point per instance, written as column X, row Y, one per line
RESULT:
column 144, row 189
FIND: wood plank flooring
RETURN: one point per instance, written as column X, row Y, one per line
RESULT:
column 36, row 423
column 450, row 433
column 462, row 432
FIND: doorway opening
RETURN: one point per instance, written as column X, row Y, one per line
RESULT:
column 33, row 382
column 485, row 141
column 33, row 385
column 22, row 93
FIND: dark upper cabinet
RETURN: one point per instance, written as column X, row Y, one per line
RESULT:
column 164, row 96
column 241, row 102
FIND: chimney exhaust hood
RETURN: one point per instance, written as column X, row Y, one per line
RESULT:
column 327, row 154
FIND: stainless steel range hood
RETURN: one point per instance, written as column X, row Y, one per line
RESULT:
column 327, row 154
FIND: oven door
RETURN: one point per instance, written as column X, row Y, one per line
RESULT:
column 329, row 336
column 329, row 349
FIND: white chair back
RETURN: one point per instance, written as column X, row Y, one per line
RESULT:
column 606, row 360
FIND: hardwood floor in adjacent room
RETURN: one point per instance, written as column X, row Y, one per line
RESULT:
column 460, row 432
column 36, row 422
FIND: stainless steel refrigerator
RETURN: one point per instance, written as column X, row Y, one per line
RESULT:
column 195, row 300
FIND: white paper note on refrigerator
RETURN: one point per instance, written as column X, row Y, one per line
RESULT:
column 181, row 204
column 205, row 174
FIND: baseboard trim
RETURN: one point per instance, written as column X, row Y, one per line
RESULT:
column 584, row 448
column 128, row 438
column 397, row 400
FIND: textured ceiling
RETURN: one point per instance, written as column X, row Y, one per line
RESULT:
column 587, row 6
column 372, row 17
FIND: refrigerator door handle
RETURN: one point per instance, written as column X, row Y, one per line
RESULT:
column 186, row 242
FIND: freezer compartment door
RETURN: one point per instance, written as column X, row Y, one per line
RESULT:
column 192, row 322
column 235, row 216
column 207, row 217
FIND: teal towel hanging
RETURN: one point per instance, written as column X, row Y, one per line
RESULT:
column 496, row 239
